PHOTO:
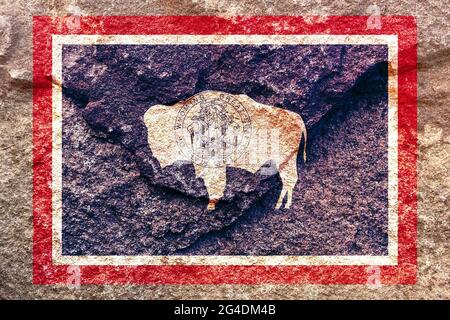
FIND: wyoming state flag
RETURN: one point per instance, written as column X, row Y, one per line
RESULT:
column 211, row 150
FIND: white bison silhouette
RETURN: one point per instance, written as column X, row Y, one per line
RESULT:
column 215, row 130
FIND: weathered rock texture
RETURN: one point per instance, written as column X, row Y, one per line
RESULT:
column 16, row 147
column 118, row 200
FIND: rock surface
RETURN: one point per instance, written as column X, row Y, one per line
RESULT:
column 16, row 150
column 118, row 200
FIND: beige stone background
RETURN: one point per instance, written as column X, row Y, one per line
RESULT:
column 16, row 148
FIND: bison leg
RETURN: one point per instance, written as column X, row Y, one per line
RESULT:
column 289, row 179
column 215, row 181
column 212, row 204
column 289, row 198
column 284, row 192
column 280, row 199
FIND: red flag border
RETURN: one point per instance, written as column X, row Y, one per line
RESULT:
column 46, row 272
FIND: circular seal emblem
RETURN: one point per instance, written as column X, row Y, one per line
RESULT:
column 213, row 129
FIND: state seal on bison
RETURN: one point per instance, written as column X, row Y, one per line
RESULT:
column 215, row 130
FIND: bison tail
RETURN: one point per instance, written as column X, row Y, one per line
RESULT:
column 304, row 145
